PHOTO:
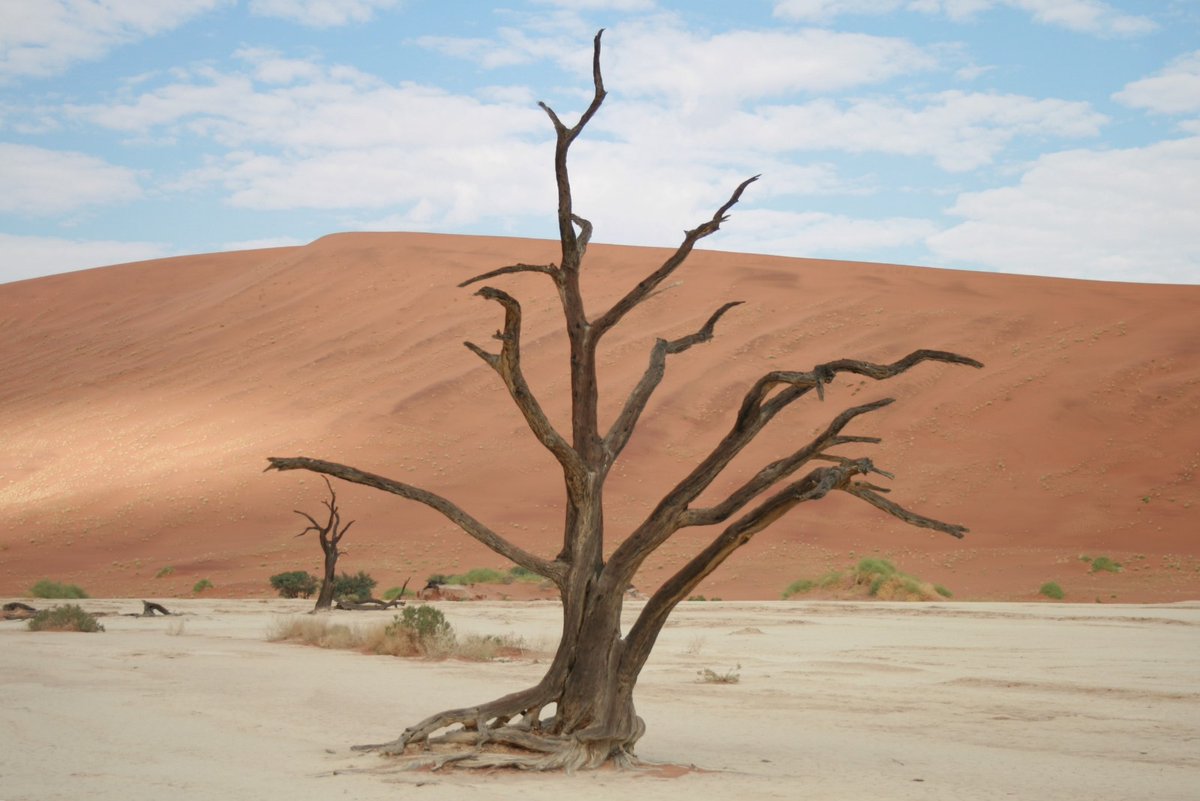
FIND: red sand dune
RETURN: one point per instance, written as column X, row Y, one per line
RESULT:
column 141, row 401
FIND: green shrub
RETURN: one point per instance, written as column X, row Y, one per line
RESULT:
column 397, row 592
column 294, row 584
column 64, row 618
column 942, row 591
column 201, row 585
column 799, row 587
column 53, row 589
column 1051, row 590
column 1105, row 564
column 873, row 572
column 164, row 572
column 353, row 588
column 426, row 623
column 525, row 574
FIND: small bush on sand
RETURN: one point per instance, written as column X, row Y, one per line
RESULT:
column 1107, row 565
column 163, row 572
column 425, row 623
column 483, row 575
column 519, row 573
column 398, row 592
column 64, row 618
column 873, row 572
column 53, row 589
column 201, row 585
column 294, row 584
column 878, row 577
column 708, row 676
column 1051, row 590
column 353, row 588
column 801, row 586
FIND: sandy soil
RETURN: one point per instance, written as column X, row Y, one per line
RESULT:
column 835, row 701
column 140, row 403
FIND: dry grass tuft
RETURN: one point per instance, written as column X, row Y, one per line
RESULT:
column 709, row 676
column 397, row 639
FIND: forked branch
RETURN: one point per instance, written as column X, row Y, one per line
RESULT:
column 815, row 485
column 775, row 472
column 648, row 284
column 508, row 365
column 573, row 245
column 622, row 428
column 552, row 570
column 758, row 408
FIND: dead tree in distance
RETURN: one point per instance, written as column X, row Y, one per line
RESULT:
column 590, row 682
column 329, row 534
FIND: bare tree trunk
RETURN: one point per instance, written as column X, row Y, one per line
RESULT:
column 325, row 596
column 591, row 680
column 329, row 534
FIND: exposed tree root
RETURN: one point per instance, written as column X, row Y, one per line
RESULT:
column 507, row 733
column 508, row 748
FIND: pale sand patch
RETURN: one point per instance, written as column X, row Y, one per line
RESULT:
column 835, row 701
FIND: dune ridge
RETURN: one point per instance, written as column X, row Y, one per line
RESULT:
column 141, row 401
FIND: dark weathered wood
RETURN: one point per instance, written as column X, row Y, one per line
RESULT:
column 591, row 679
column 367, row 604
column 451, row 511
column 149, row 608
column 329, row 535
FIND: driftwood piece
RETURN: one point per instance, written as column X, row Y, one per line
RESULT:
column 149, row 608
column 15, row 610
column 369, row 603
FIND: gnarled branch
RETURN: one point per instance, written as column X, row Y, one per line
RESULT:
column 870, row 494
column 551, row 570
column 572, row 251
column 650, row 282
column 622, row 428
column 545, row 269
column 508, row 365
column 815, row 485
column 758, row 408
column 781, row 469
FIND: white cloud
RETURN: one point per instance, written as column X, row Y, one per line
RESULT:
column 659, row 57
column 959, row 130
column 1121, row 215
column 24, row 257
column 321, row 13
column 1085, row 16
column 826, row 10
column 601, row 5
column 263, row 243
column 339, row 108
column 1174, row 90
column 1082, row 16
column 689, row 69
column 36, row 181
column 46, row 37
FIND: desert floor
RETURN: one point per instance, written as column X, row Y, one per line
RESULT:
column 835, row 701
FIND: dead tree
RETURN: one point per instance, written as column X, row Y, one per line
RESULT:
column 591, row 679
column 329, row 534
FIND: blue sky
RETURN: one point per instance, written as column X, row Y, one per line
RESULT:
column 1049, row 137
